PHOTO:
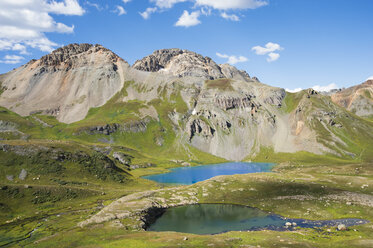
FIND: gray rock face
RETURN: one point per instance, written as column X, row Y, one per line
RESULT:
column 131, row 127
column 65, row 53
column 228, row 102
column 157, row 61
column 198, row 126
column 232, row 72
column 184, row 63
column 106, row 129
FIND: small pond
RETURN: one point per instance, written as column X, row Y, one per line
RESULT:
column 191, row 175
column 219, row 218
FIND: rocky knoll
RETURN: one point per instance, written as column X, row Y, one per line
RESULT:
column 357, row 99
column 183, row 63
column 66, row 83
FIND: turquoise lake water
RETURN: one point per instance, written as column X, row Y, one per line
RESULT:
column 191, row 175
column 218, row 218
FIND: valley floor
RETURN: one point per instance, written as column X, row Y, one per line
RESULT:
column 296, row 191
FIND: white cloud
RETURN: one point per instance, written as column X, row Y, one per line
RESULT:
column 120, row 10
column 7, row 45
column 294, row 90
column 167, row 3
column 12, row 59
column 232, row 4
column 370, row 78
column 325, row 88
column 23, row 23
column 232, row 59
column 269, row 49
column 206, row 7
column 188, row 20
column 216, row 4
column 126, row 1
column 146, row 14
column 273, row 57
column 230, row 17
column 98, row 7
column 67, row 7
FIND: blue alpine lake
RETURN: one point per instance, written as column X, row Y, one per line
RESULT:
column 191, row 175
column 218, row 218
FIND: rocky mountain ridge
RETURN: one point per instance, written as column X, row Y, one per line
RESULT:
column 174, row 101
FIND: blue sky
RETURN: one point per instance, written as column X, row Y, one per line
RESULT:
column 286, row 43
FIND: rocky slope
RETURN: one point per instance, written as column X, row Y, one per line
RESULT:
column 66, row 83
column 357, row 99
column 174, row 103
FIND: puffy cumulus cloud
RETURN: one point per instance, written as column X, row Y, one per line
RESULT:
column 232, row 59
column 188, row 20
column 232, row 4
column 147, row 13
column 230, row 17
column 23, row 23
column 120, row 10
column 320, row 88
column 269, row 49
column 12, row 59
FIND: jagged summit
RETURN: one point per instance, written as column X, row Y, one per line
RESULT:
column 69, row 53
column 184, row 63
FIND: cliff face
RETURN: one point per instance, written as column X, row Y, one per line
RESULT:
column 176, row 100
column 357, row 99
column 66, row 83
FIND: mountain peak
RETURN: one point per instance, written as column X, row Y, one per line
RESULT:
column 69, row 52
column 184, row 63
column 65, row 83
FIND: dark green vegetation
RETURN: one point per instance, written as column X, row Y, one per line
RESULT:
column 55, row 175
